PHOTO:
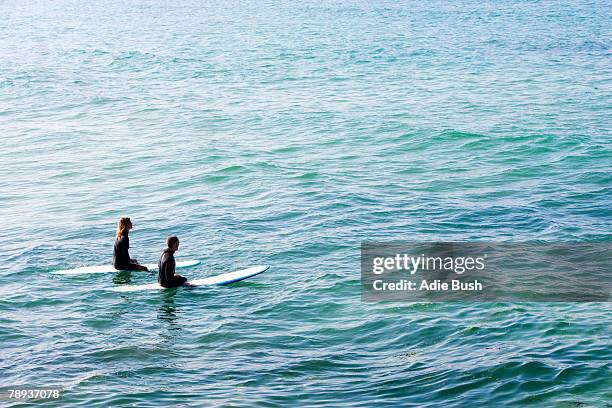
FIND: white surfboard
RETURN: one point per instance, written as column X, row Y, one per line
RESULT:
column 109, row 268
column 223, row 279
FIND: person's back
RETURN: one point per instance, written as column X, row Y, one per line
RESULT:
column 167, row 265
column 121, row 250
column 121, row 253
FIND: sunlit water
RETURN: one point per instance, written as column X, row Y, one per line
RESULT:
column 285, row 133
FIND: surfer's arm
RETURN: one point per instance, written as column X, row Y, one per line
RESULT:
column 166, row 269
column 171, row 267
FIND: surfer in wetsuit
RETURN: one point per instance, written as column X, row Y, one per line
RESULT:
column 167, row 266
column 121, row 254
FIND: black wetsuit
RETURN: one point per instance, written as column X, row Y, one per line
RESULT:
column 167, row 265
column 121, row 255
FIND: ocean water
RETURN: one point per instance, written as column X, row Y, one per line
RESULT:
column 286, row 133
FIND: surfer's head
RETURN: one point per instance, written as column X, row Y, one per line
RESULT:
column 173, row 243
column 124, row 225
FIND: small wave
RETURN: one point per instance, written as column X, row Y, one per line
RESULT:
column 311, row 175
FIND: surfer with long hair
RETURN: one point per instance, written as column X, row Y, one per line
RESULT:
column 121, row 254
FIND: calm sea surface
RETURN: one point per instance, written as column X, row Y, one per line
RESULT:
column 285, row 133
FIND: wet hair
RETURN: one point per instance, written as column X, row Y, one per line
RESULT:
column 171, row 240
column 122, row 227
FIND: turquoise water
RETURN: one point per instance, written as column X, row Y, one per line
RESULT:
column 285, row 133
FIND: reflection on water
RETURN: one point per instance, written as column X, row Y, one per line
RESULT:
column 167, row 310
column 122, row 277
